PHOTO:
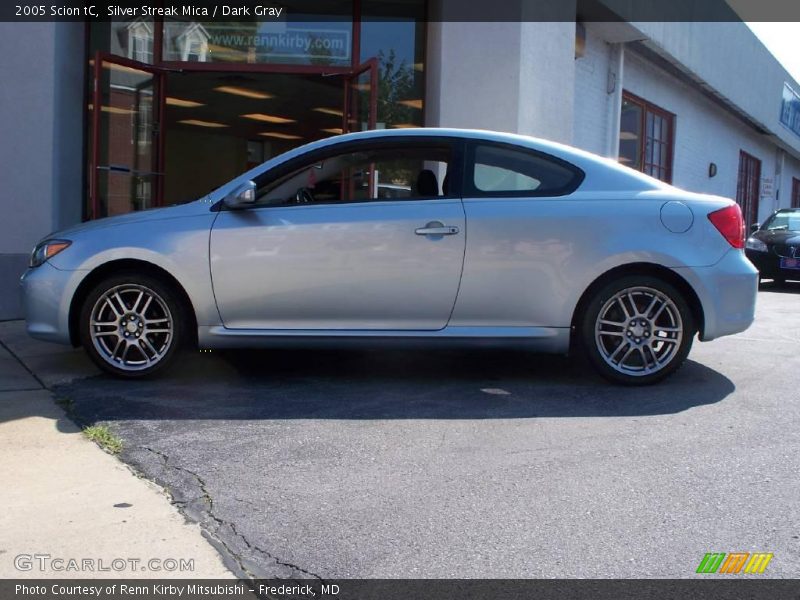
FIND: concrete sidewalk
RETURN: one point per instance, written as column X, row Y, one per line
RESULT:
column 64, row 497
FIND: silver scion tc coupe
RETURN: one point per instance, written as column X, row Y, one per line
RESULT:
column 415, row 236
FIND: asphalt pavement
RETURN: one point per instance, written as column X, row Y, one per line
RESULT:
column 466, row 464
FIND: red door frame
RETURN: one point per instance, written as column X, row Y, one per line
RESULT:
column 370, row 66
column 748, row 187
column 158, row 117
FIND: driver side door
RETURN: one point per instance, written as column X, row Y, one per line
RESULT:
column 356, row 237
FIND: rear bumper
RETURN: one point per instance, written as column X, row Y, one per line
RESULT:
column 727, row 293
column 46, row 296
column 769, row 266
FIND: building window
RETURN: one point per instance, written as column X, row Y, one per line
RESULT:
column 646, row 137
column 795, row 192
column 140, row 41
column 748, row 186
column 192, row 41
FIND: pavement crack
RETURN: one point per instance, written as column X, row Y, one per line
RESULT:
column 271, row 556
column 217, row 533
column 182, row 506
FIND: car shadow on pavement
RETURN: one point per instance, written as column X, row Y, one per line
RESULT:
column 302, row 384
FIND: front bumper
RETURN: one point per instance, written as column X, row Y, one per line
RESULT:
column 769, row 265
column 727, row 293
column 46, row 296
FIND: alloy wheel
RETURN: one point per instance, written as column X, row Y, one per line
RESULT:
column 639, row 331
column 131, row 327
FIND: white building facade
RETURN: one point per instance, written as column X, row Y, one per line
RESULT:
column 716, row 90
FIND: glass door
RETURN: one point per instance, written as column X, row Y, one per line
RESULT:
column 361, row 98
column 126, row 143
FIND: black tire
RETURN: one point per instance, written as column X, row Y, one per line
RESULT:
column 653, row 351
column 164, row 312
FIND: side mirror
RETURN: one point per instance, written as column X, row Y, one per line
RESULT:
column 242, row 196
column 755, row 227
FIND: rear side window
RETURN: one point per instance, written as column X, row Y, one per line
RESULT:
column 505, row 171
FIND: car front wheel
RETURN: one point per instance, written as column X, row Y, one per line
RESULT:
column 637, row 330
column 130, row 325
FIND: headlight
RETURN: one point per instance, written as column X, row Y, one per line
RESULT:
column 47, row 250
column 755, row 244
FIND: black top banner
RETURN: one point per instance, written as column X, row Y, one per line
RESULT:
column 437, row 10
column 401, row 589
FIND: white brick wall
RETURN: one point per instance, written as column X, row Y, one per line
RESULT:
column 733, row 61
column 704, row 132
column 591, row 106
column 515, row 77
column 791, row 168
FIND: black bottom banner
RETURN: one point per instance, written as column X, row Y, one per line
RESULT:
column 402, row 589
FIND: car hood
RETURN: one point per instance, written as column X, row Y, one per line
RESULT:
column 154, row 214
column 777, row 237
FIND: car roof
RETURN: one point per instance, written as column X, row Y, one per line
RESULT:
column 601, row 174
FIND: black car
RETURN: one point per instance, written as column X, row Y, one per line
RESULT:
column 774, row 247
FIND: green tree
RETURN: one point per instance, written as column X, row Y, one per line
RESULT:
column 395, row 84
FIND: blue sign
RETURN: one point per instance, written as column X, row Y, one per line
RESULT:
column 790, row 109
column 271, row 42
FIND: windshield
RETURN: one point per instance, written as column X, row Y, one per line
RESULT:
column 784, row 221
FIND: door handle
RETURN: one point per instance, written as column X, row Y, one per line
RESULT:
column 437, row 228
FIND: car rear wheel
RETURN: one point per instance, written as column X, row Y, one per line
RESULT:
column 637, row 330
column 130, row 325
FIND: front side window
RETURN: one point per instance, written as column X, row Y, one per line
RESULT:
column 646, row 137
column 362, row 175
column 502, row 170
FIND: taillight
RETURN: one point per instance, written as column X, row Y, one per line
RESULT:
column 730, row 224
